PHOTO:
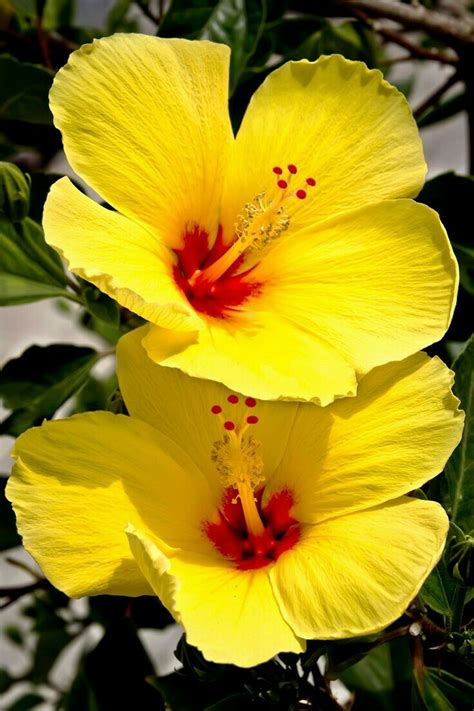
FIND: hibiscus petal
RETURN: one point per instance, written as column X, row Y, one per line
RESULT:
column 76, row 485
column 265, row 356
column 339, row 123
column 180, row 407
column 145, row 123
column 359, row 452
column 120, row 257
column 356, row 574
column 230, row 615
column 378, row 284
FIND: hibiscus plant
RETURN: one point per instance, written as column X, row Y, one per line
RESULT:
column 239, row 474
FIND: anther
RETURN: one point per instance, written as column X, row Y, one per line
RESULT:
column 282, row 184
column 233, row 399
column 216, row 409
column 301, row 194
column 229, row 425
column 311, row 182
column 277, row 170
column 292, row 168
column 250, row 401
column 252, row 419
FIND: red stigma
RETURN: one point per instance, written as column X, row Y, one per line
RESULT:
column 311, row 181
column 250, row 401
column 292, row 168
column 277, row 170
column 252, row 419
column 229, row 425
column 301, row 194
column 233, row 399
column 282, row 184
column 216, row 409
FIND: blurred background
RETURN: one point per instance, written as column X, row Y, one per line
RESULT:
column 48, row 643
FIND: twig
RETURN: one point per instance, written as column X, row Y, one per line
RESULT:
column 43, row 43
column 148, row 13
column 434, row 98
column 417, row 17
column 14, row 594
column 23, row 566
column 416, row 51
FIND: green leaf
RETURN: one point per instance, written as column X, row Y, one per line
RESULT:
column 175, row 691
column 427, row 696
column 51, row 643
column 372, row 681
column 5, row 681
column 80, row 696
column 14, row 192
column 58, row 14
column 9, row 537
column 438, row 590
column 24, row 90
column 451, row 196
column 443, row 111
column 344, row 654
column 15, row 290
column 455, row 688
column 37, row 383
column 465, row 256
column 117, row 16
column 101, row 306
column 117, row 669
column 460, row 467
column 29, row 268
column 238, row 24
column 181, row 20
column 39, row 188
column 26, row 702
column 350, row 39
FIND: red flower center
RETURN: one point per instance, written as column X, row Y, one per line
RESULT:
column 214, row 279
column 231, row 537
column 219, row 298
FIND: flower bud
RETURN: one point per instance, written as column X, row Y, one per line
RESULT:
column 14, row 192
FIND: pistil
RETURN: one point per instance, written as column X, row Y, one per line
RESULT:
column 239, row 464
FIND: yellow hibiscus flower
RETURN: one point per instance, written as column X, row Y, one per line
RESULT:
column 286, row 262
column 258, row 524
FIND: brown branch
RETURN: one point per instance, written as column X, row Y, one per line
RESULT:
column 434, row 98
column 415, row 50
column 43, row 42
column 417, row 17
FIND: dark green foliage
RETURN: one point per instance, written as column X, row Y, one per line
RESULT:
column 425, row 660
column 37, row 383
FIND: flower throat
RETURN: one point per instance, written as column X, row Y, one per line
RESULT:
column 247, row 532
column 216, row 280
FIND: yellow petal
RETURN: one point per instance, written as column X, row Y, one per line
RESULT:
column 378, row 284
column 267, row 357
column 145, row 123
column 359, row 452
column 356, row 574
column 121, row 258
column 230, row 615
column 180, row 407
column 76, row 485
column 339, row 123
